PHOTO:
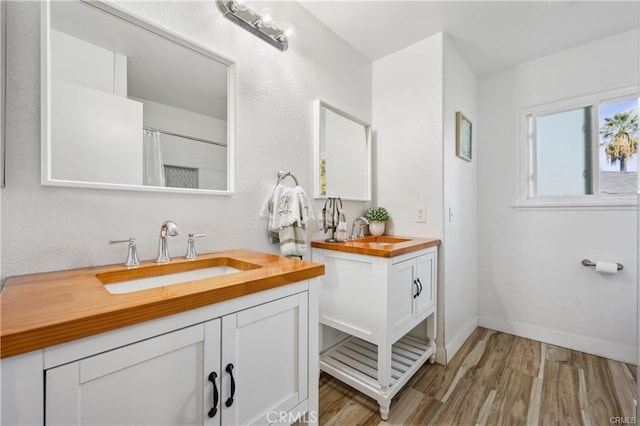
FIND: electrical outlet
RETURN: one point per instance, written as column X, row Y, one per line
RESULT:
column 421, row 214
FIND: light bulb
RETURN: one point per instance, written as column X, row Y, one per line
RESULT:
column 241, row 5
column 289, row 31
column 266, row 18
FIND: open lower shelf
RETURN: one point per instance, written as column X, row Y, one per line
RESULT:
column 357, row 360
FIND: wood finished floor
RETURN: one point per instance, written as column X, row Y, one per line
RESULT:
column 496, row 379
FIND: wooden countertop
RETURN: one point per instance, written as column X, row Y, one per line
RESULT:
column 42, row 310
column 382, row 246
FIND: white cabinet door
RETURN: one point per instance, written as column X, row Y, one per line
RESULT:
column 412, row 291
column 402, row 292
column 426, row 278
column 159, row 381
column 264, row 361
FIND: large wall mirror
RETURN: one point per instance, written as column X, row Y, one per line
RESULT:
column 129, row 105
column 342, row 154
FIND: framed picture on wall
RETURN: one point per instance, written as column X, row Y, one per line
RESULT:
column 463, row 137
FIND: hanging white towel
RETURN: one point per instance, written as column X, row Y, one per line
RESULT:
column 293, row 241
column 270, row 207
column 330, row 214
column 304, row 206
column 288, row 211
column 267, row 211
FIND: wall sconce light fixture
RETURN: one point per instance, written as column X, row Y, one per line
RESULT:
column 259, row 24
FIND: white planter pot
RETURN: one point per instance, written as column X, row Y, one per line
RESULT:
column 376, row 228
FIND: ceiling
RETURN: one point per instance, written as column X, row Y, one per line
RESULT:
column 489, row 34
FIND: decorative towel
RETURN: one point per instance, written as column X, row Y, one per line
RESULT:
column 342, row 228
column 293, row 241
column 329, row 219
column 306, row 210
column 268, row 212
column 288, row 211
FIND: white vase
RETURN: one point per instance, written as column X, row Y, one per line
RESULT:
column 376, row 228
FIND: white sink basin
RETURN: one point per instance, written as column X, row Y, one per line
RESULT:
column 137, row 284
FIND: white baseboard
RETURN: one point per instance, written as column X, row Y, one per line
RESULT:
column 452, row 346
column 586, row 344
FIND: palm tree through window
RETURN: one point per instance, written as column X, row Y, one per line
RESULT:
column 590, row 150
column 618, row 147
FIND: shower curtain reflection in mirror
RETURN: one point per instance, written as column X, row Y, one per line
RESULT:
column 153, row 166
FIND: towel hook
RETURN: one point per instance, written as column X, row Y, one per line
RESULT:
column 282, row 175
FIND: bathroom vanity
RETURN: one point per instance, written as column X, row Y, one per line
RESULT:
column 378, row 290
column 237, row 348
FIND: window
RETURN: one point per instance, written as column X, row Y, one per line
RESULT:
column 618, row 159
column 587, row 149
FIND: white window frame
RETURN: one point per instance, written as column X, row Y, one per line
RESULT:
column 527, row 156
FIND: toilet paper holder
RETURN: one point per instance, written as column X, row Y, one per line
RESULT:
column 587, row 262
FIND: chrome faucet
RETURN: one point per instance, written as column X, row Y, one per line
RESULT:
column 168, row 229
column 363, row 222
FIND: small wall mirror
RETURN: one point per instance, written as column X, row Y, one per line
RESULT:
column 128, row 105
column 342, row 154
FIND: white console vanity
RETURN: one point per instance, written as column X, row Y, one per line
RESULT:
column 234, row 349
column 377, row 290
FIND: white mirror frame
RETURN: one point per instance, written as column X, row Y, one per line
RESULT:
column 46, row 178
column 317, row 105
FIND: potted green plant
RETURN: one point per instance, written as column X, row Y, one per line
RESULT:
column 377, row 217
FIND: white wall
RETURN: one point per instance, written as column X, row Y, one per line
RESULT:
column 2, row 127
column 531, row 281
column 209, row 159
column 458, row 285
column 77, row 61
column 50, row 228
column 88, row 147
column 416, row 93
column 407, row 123
column 84, row 106
column 88, row 65
column 181, row 121
column 3, row 8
